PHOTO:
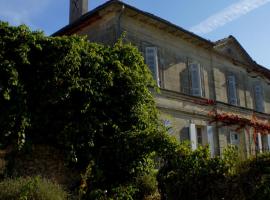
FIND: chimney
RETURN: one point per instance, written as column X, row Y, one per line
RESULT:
column 77, row 9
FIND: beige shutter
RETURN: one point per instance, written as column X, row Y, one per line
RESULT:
column 151, row 59
column 193, row 136
column 259, row 101
column 196, row 82
column 232, row 93
column 259, row 142
column 210, row 138
column 268, row 142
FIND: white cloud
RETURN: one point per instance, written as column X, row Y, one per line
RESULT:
column 18, row 12
column 227, row 15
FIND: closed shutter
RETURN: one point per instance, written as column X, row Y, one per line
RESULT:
column 185, row 81
column 210, row 138
column 258, row 94
column 151, row 59
column 193, row 136
column 196, row 82
column 232, row 93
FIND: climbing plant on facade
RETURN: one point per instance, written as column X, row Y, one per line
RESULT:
column 91, row 100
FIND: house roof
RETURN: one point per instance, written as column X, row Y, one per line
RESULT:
column 256, row 67
column 85, row 19
column 232, row 39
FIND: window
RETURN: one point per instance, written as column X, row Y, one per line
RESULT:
column 151, row 59
column 168, row 125
column 234, row 138
column 196, row 79
column 199, row 136
column 258, row 98
column 232, row 90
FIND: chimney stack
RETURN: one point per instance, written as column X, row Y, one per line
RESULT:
column 77, row 9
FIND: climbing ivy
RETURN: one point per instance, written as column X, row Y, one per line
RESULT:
column 91, row 100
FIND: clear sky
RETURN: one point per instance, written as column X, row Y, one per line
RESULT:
column 247, row 20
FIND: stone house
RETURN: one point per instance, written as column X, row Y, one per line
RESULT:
column 210, row 92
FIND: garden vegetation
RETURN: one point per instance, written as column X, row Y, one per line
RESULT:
column 95, row 103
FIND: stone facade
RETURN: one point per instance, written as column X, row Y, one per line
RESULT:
column 189, row 70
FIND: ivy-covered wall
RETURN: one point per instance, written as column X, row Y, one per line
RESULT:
column 89, row 100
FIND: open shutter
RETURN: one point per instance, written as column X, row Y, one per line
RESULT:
column 210, row 138
column 268, row 142
column 232, row 94
column 151, row 59
column 259, row 142
column 196, row 82
column 258, row 94
column 193, row 136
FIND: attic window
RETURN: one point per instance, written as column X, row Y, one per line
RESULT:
column 229, row 51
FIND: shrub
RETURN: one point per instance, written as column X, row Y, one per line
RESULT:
column 31, row 188
column 192, row 175
column 147, row 185
column 231, row 157
column 121, row 192
column 251, row 180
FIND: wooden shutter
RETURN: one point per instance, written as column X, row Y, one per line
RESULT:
column 184, row 134
column 193, row 136
column 196, row 82
column 232, row 93
column 184, row 81
column 258, row 96
column 210, row 138
column 268, row 142
column 259, row 142
column 151, row 59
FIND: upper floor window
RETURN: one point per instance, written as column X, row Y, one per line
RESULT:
column 151, row 59
column 195, row 79
column 258, row 97
column 232, row 89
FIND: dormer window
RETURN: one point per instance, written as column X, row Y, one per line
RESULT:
column 229, row 50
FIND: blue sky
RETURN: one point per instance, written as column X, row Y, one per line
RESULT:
column 247, row 20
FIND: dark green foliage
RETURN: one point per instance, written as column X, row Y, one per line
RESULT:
column 146, row 184
column 251, row 180
column 195, row 176
column 192, row 176
column 90, row 100
column 30, row 189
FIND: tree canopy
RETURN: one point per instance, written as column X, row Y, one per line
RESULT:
column 91, row 100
